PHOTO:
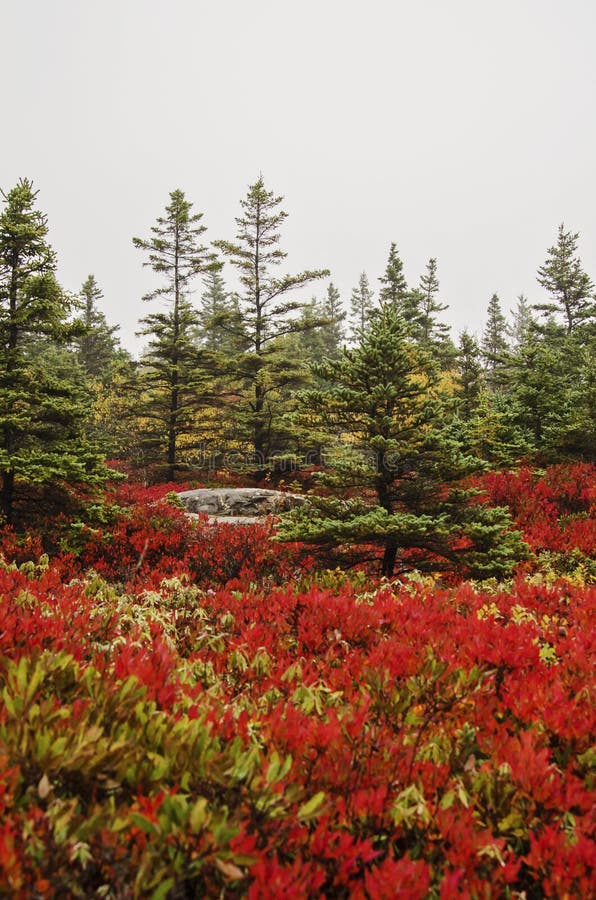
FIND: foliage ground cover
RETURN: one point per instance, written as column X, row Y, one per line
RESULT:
column 194, row 710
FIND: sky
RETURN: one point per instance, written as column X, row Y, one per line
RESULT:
column 459, row 129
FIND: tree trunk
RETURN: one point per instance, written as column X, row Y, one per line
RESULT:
column 391, row 544
column 172, row 433
column 389, row 558
column 7, row 496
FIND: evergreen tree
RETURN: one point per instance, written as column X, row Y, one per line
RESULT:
column 485, row 423
column 552, row 392
column 494, row 343
column 524, row 323
column 97, row 348
column 563, row 278
column 220, row 327
column 267, row 367
column 539, row 390
column 323, row 334
column 334, row 315
column 469, row 375
column 172, row 377
column 362, row 306
column 407, row 469
column 44, row 405
column 395, row 292
column 579, row 439
column 394, row 285
column 432, row 333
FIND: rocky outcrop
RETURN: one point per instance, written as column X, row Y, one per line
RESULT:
column 239, row 504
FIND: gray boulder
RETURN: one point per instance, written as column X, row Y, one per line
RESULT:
column 239, row 504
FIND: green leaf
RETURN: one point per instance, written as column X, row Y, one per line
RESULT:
column 312, row 807
column 161, row 892
column 199, row 814
column 447, row 800
column 9, row 702
column 145, row 824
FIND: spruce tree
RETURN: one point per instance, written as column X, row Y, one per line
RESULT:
column 394, row 288
column 431, row 332
column 323, row 334
column 267, row 368
column 220, row 327
column 469, row 376
column 334, row 315
column 524, row 323
column 395, row 291
column 97, row 348
column 550, row 375
column 362, row 307
column 494, row 343
column 404, row 467
column 564, row 279
column 44, row 403
column 172, row 379
column 539, row 394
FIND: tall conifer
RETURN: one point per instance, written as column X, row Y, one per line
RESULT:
column 268, row 314
column 494, row 343
column 563, row 277
column 44, row 403
column 98, row 347
column 171, row 376
column 362, row 307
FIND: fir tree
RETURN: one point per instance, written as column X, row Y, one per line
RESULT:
column 362, row 307
column 551, row 390
column 396, row 293
column 267, row 367
column 494, row 343
column 539, row 390
column 44, row 404
column 172, row 378
column 469, row 375
column 97, row 348
column 220, row 326
column 406, row 468
column 431, row 332
column 524, row 323
column 394, row 288
column 334, row 315
column 564, row 279
column 323, row 334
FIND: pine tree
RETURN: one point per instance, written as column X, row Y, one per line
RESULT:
column 97, row 348
column 362, row 307
column 267, row 367
column 44, row 403
column 494, row 343
column 563, row 278
column 171, row 374
column 405, row 466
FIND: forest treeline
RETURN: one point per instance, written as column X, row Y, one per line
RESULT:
column 278, row 370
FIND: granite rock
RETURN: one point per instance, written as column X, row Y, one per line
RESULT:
column 245, row 504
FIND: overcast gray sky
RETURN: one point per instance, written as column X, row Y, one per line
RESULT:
column 460, row 129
